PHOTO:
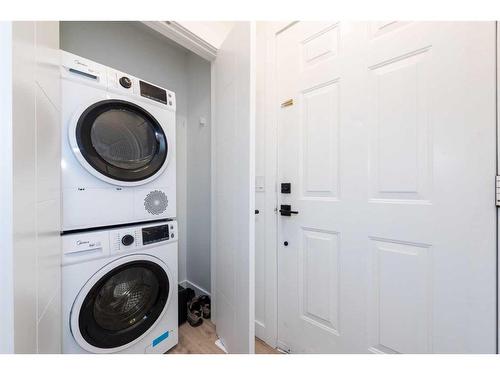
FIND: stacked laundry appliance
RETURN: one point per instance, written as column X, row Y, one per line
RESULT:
column 119, row 232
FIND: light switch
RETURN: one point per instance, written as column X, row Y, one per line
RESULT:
column 260, row 183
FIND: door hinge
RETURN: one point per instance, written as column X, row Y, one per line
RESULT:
column 497, row 190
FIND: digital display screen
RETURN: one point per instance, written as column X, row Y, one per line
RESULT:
column 153, row 92
column 154, row 234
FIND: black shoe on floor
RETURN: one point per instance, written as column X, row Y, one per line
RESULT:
column 205, row 306
column 194, row 315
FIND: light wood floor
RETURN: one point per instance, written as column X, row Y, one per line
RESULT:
column 201, row 340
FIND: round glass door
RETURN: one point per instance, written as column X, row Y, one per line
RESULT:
column 121, row 140
column 123, row 304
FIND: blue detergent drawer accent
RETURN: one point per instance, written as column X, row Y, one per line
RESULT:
column 160, row 338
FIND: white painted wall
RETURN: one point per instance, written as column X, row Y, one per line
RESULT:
column 31, row 244
column 48, row 194
column 136, row 49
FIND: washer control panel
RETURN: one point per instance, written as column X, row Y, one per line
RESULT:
column 89, row 245
column 134, row 238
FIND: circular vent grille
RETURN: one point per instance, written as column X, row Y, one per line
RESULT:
column 156, row 202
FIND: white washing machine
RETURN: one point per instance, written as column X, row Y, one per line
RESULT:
column 118, row 147
column 120, row 290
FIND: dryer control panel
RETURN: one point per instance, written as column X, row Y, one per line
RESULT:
column 88, row 72
column 127, row 84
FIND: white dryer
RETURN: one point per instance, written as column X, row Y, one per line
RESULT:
column 118, row 147
column 120, row 290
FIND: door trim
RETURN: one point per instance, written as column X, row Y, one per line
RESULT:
column 213, row 247
column 7, row 117
column 270, row 330
column 497, row 46
column 267, row 330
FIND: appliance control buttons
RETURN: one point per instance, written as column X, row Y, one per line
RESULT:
column 125, row 82
column 128, row 240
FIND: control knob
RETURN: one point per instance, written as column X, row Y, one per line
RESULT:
column 125, row 82
column 128, row 240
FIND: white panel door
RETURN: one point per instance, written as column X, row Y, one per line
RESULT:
column 234, row 190
column 389, row 146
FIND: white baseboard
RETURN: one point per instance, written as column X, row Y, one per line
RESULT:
column 198, row 290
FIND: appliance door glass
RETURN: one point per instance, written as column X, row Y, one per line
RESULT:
column 123, row 304
column 121, row 140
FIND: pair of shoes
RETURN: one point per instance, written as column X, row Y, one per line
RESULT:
column 205, row 306
column 194, row 314
column 198, row 309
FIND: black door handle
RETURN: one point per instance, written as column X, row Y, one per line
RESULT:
column 256, row 212
column 286, row 210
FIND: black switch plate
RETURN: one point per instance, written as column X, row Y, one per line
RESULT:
column 286, row 188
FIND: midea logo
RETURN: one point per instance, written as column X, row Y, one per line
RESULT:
column 80, row 63
column 81, row 242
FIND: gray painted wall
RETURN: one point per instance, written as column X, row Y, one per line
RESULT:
column 198, row 176
column 135, row 49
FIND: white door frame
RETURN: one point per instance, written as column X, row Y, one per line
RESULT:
column 267, row 330
column 498, row 173
column 198, row 45
column 6, row 192
column 213, row 314
column 270, row 330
